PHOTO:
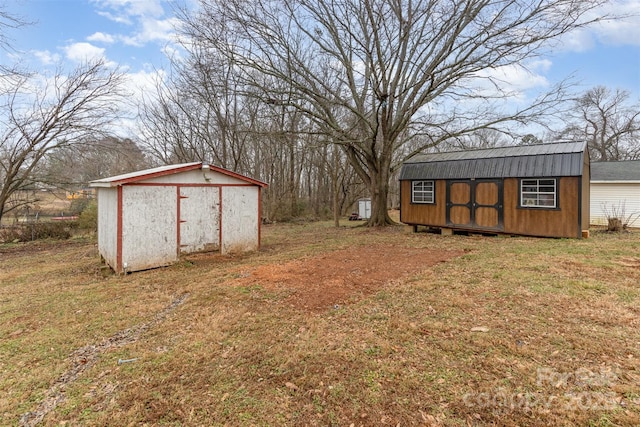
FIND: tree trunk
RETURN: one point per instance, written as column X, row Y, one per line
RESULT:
column 379, row 194
column 379, row 213
column 335, row 186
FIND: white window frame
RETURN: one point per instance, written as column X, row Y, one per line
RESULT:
column 540, row 192
column 424, row 195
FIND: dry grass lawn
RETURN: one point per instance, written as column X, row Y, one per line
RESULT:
column 326, row 326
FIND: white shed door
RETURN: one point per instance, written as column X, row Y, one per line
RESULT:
column 364, row 209
column 199, row 219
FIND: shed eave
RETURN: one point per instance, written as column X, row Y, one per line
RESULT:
column 97, row 184
column 146, row 174
column 134, row 177
column 237, row 176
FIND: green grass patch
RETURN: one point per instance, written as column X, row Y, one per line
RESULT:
column 558, row 318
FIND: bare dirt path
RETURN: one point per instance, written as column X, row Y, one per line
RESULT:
column 336, row 278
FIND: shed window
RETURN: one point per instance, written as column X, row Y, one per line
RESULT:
column 422, row 192
column 538, row 193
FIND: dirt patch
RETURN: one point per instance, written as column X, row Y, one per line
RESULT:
column 343, row 276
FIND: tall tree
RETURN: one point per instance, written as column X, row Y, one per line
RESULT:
column 71, row 167
column 374, row 74
column 608, row 121
column 36, row 119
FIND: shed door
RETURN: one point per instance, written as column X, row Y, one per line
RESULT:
column 364, row 209
column 475, row 204
column 199, row 219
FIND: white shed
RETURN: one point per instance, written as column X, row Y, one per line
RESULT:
column 146, row 219
column 614, row 185
column 364, row 208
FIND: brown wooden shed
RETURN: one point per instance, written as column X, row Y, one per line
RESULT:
column 534, row 190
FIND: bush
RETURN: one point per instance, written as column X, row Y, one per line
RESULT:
column 37, row 231
column 79, row 205
column 88, row 219
column 617, row 217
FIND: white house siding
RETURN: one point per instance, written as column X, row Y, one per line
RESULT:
column 108, row 220
column 240, row 219
column 199, row 219
column 149, row 226
column 614, row 194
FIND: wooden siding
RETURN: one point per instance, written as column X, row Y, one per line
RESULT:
column 423, row 213
column 561, row 222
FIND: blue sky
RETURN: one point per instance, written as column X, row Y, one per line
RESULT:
column 137, row 35
column 130, row 33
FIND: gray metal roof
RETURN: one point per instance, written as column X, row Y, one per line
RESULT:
column 557, row 159
column 616, row 171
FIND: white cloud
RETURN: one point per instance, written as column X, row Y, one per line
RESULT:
column 83, row 51
column 128, row 12
column 144, row 81
column 142, row 85
column 120, row 19
column 152, row 30
column 132, row 7
column 172, row 52
column 147, row 19
column 624, row 29
column 100, row 37
column 578, row 41
column 45, row 57
column 512, row 81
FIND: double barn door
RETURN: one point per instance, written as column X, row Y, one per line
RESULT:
column 475, row 204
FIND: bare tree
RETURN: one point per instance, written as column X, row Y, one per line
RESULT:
column 71, row 167
column 480, row 138
column 8, row 22
column 373, row 74
column 608, row 122
column 530, row 139
column 200, row 113
column 36, row 119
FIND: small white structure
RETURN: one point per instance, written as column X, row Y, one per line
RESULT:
column 364, row 208
column 146, row 219
column 614, row 185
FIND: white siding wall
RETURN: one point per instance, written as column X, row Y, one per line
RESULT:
column 614, row 195
column 108, row 224
column 149, row 226
column 240, row 218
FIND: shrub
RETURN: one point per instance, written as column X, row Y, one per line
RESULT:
column 37, row 231
column 88, row 219
column 79, row 205
column 617, row 217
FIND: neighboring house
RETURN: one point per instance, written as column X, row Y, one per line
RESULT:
column 535, row 190
column 615, row 186
column 146, row 219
